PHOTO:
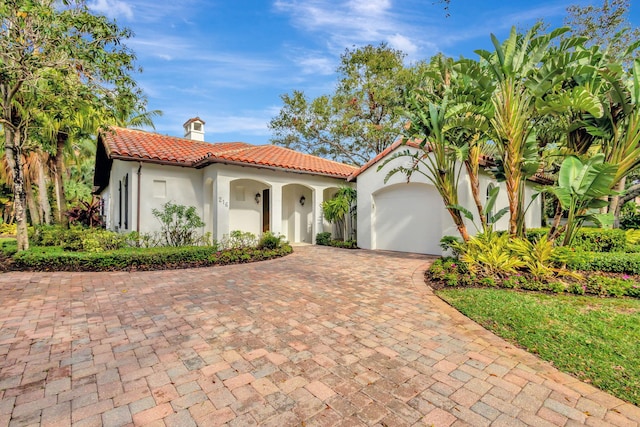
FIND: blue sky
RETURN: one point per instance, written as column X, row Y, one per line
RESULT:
column 228, row 61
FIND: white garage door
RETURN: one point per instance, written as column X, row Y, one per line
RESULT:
column 407, row 218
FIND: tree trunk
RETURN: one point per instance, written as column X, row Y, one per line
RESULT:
column 13, row 154
column 554, row 231
column 474, row 182
column 459, row 222
column 34, row 212
column 61, row 201
column 614, row 204
column 43, row 193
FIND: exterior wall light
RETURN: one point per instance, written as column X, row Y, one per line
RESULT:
column 257, row 198
column 302, row 200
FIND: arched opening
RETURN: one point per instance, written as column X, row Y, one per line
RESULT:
column 248, row 205
column 297, row 213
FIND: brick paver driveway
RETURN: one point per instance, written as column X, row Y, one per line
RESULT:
column 322, row 337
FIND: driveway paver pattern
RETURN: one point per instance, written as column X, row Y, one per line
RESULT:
column 323, row 337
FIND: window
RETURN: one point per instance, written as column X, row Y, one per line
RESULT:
column 159, row 189
column 126, row 202
column 197, row 126
column 119, row 204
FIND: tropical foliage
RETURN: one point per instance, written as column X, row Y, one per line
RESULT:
column 65, row 72
column 340, row 210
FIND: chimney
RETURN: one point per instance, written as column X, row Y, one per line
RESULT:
column 194, row 129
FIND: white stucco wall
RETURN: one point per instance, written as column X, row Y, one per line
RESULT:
column 420, row 218
column 224, row 197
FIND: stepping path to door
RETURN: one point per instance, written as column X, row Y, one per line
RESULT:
column 322, row 337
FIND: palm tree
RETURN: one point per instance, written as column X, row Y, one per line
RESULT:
column 510, row 65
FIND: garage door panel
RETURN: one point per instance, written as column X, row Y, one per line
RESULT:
column 407, row 218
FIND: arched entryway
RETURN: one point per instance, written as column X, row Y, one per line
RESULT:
column 249, row 206
column 297, row 213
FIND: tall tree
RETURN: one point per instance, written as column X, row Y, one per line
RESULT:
column 359, row 120
column 511, row 64
column 38, row 36
column 606, row 26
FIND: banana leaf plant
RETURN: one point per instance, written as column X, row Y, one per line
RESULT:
column 581, row 188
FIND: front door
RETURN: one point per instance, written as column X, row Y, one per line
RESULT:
column 266, row 204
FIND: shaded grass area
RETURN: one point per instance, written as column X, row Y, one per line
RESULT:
column 594, row 339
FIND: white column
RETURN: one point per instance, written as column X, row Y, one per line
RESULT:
column 318, row 199
column 276, row 209
column 220, row 206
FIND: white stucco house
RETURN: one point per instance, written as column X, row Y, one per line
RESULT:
column 410, row 216
column 239, row 186
column 233, row 185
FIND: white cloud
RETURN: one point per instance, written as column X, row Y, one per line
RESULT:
column 370, row 7
column 112, row 8
column 400, row 42
column 352, row 23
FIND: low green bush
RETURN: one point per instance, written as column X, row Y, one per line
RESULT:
column 268, row 240
column 8, row 246
column 614, row 262
column 8, row 229
column 56, row 259
column 323, row 239
column 589, row 239
column 449, row 272
column 347, row 244
column 238, row 240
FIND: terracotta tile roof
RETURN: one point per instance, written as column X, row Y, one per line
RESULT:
column 130, row 144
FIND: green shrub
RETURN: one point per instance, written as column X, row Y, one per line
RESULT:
column 577, row 288
column 451, row 279
column 489, row 282
column 515, row 281
column 600, row 240
column 239, row 240
column 8, row 246
column 451, row 244
column 589, row 239
column 268, row 240
column 8, row 229
column 632, row 249
column 55, row 259
column 179, row 224
column 615, row 262
column 490, row 254
column 323, row 239
column 556, row 287
column 47, row 235
column 629, row 216
column 347, row 244
column 608, row 286
column 99, row 240
column 634, row 291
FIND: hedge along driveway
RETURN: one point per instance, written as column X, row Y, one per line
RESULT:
column 322, row 337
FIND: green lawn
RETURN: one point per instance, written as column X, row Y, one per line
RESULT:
column 595, row 339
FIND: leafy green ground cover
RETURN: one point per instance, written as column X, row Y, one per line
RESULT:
column 594, row 339
column 238, row 249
